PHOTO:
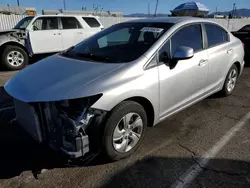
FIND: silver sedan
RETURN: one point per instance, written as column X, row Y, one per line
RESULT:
column 103, row 93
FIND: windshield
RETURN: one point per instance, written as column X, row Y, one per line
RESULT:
column 22, row 24
column 120, row 43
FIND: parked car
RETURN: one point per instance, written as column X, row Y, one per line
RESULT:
column 244, row 35
column 103, row 93
column 44, row 34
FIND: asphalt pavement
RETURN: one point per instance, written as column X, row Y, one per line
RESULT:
column 206, row 145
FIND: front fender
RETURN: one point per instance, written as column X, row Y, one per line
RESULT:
column 11, row 39
column 145, row 85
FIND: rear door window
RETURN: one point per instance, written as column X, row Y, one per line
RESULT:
column 216, row 35
column 70, row 23
column 92, row 22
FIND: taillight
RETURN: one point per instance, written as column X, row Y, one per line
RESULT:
column 243, row 45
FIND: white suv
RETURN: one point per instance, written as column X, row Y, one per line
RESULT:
column 44, row 34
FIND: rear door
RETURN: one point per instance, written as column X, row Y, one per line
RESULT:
column 220, row 52
column 71, row 31
column 45, row 36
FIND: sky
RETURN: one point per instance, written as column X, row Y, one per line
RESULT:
column 126, row 6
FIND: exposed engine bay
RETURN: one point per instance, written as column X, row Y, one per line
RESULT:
column 14, row 35
column 62, row 125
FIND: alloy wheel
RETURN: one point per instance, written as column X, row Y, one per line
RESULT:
column 231, row 80
column 127, row 132
column 15, row 58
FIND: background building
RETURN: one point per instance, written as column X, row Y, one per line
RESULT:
column 101, row 13
column 17, row 10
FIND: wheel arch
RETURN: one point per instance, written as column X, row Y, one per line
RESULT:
column 12, row 43
column 237, row 63
column 148, row 107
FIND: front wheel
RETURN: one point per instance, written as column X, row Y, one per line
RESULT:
column 124, row 130
column 230, row 81
column 14, row 58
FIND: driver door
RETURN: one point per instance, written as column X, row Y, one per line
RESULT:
column 186, row 82
column 45, row 36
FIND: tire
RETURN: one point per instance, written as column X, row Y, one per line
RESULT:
column 21, row 58
column 124, row 108
column 225, row 90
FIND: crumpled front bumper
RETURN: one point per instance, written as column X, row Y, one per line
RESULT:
column 45, row 125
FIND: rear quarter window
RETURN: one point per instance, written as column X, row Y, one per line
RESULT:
column 92, row 22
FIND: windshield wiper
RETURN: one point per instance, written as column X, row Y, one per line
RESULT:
column 93, row 57
column 68, row 50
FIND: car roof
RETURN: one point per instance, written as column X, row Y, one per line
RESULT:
column 68, row 15
column 172, row 20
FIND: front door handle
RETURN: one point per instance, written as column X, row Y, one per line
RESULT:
column 203, row 62
column 79, row 33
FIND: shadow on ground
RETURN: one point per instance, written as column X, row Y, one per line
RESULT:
column 19, row 152
column 164, row 172
column 247, row 62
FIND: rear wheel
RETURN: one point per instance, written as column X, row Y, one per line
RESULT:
column 124, row 130
column 14, row 58
column 230, row 81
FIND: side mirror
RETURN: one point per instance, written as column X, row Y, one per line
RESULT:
column 182, row 53
column 164, row 57
column 34, row 28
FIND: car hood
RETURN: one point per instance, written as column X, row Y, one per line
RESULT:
column 3, row 32
column 54, row 78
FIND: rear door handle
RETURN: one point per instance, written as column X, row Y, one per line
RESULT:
column 79, row 32
column 203, row 62
column 229, row 51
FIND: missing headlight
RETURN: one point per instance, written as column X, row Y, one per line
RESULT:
column 76, row 116
column 78, row 110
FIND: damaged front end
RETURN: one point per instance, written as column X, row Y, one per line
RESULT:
column 63, row 125
column 15, row 35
